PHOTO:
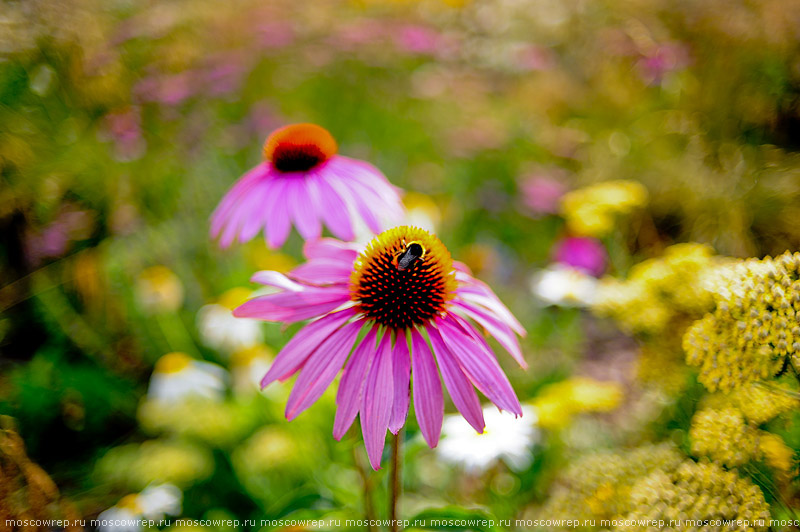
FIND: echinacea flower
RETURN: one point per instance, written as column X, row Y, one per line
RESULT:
column 402, row 288
column 303, row 181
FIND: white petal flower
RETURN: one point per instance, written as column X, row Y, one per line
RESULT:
column 158, row 500
column 220, row 330
column 506, row 438
column 564, row 286
column 178, row 376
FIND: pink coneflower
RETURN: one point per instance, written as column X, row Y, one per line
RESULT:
column 303, row 181
column 403, row 291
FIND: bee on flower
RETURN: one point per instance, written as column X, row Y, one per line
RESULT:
column 304, row 182
column 416, row 307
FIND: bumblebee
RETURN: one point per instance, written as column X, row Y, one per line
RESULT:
column 407, row 258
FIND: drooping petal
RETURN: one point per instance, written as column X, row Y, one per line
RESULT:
column 365, row 179
column 278, row 221
column 351, row 386
column 475, row 291
column 376, row 402
column 321, row 368
column 221, row 215
column 301, row 207
column 294, row 354
column 276, row 279
column 249, row 208
column 458, row 385
column 258, row 204
column 291, row 307
column 480, row 365
column 401, row 373
column 331, row 249
column 428, row 398
column 333, row 209
column 502, row 332
column 322, row 271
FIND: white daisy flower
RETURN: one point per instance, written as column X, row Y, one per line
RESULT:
column 505, row 438
column 564, row 286
column 177, row 376
column 154, row 502
column 220, row 330
column 158, row 500
column 248, row 367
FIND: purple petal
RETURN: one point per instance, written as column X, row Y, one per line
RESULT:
column 301, row 206
column 276, row 279
column 401, row 370
column 249, row 208
column 502, row 332
column 234, row 196
column 348, row 398
column 376, row 402
column 321, row 271
column 428, row 398
column 321, row 368
column 480, row 365
column 458, row 386
column 300, row 347
column 331, row 249
column 291, row 307
column 278, row 222
column 333, row 209
column 477, row 292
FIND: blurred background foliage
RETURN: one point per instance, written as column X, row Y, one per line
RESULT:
column 667, row 131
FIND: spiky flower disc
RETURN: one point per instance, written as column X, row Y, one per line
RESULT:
column 399, row 297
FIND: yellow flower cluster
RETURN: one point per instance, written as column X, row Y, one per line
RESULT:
column 723, row 436
column 592, row 211
column 598, row 486
column 757, row 404
column 660, row 364
column 776, row 453
column 215, row 423
column 557, row 403
column 726, row 438
column 697, row 491
column 754, row 326
column 658, row 292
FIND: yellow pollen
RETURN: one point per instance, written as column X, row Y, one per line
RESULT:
column 173, row 363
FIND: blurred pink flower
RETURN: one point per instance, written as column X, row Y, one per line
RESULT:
column 418, row 39
column 582, row 253
column 124, row 128
column 167, row 89
column 53, row 240
column 542, row 193
column 273, row 35
column 662, row 60
column 534, row 58
column 303, row 181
